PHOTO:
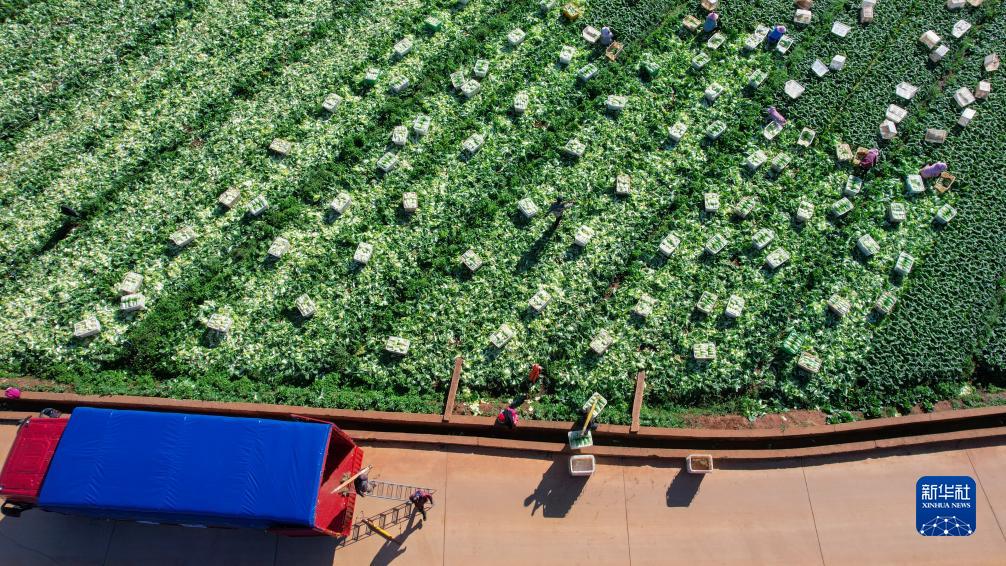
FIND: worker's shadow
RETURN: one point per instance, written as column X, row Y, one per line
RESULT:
column 388, row 553
column 390, row 550
column 682, row 490
column 532, row 256
column 557, row 490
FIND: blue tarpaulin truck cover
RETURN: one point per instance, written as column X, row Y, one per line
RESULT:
column 187, row 469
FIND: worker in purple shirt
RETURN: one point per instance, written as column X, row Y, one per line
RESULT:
column 870, row 159
column 775, row 116
column 419, row 499
column 933, row 170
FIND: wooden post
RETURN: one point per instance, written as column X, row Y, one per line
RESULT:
column 453, row 391
column 637, row 401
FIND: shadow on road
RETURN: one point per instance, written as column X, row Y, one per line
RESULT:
column 390, row 551
column 557, row 490
column 307, row 551
column 682, row 490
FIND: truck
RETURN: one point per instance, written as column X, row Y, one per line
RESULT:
column 290, row 477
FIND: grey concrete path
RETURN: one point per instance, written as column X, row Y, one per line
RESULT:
column 492, row 507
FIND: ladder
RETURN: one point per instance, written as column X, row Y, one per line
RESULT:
column 386, row 519
column 394, row 491
column 389, row 518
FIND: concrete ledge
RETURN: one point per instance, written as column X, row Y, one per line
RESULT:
column 13, row 417
column 612, row 440
column 862, row 449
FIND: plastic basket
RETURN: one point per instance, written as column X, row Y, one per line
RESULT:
column 601, row 403
column 576, row 441
column 700, row 463
column 582, row 465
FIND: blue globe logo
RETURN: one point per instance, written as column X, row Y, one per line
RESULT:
column 940, row 526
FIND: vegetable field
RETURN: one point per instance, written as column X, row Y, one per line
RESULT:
column 324, row 203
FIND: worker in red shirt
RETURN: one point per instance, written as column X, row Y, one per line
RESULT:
column 508, row 417
column 419, row 499
column 535, row 373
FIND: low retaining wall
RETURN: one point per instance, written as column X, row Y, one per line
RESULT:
column 852, row 450
column 610, row 440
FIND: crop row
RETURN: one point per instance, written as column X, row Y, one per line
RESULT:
column 137, row 223
column 951, row 312
column 152, row 134
column 415, row 286
column 112, row 99
column 590, row 282
column 423, row 168
column 251, row 123
column 54, row 49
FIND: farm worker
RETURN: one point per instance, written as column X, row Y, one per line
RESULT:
column 776, row 34
column 419, row 499
column 535, row 373
column 933, row 170
column 508, row 417
column 775, row 116
column 607, row 36
column 12, row 393
column 711, row 21
column 362, row 484
column 558, row 208
column 870, row 160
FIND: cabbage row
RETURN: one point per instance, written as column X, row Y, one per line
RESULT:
column 52, row 51
column 952, row 321
column 120, row 153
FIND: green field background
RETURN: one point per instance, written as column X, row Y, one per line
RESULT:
column 139, row 114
